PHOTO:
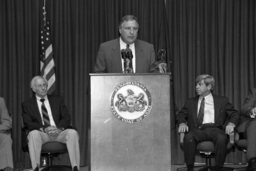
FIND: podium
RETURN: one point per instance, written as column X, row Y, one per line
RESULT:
column 130, row 122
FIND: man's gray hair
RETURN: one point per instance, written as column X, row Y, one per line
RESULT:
column 32, row 83
column 128, row 18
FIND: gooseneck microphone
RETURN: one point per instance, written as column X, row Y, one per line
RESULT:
column 127, row 57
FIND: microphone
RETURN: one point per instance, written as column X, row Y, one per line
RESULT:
column 127, row 57
column 160, row 64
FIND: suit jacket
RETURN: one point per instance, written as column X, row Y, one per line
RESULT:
column 109, row 57
column 32, row 118
column 5, row 119
column 249, row 103
column 224, row 112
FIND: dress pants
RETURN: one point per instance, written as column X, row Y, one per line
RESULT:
column 6, row 158
column 69, row 137
column 193, row 137
column 251, row 139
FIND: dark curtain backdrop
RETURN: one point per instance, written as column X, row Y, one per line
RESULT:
column 216, row 37
column 78, row 27
column 201, row 36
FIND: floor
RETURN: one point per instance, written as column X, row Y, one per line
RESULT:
column 173, row 168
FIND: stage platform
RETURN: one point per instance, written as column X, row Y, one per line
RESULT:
column 237, row 167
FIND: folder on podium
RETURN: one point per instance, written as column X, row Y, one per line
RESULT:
column 130, row 122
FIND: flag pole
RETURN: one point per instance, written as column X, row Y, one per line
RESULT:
column 44, row 13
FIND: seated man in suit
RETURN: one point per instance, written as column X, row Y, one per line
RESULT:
column 6, row 159
column 248, row 113
column 206, row 117
column 112, row 56
column 47, row 119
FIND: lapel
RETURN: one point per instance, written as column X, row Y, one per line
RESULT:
column 217, row 105
column 116, row 58
column 53, row 107
column 195, row 103
column 36, row 109
column 139, row 56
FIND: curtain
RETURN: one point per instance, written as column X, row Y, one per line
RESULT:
column 200, row 36
column 217, row 37
column 77, row 28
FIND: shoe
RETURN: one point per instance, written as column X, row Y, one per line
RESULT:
column 190, row 168
column 251, row 165
column 75, row 168
column 216, row 168
column 36, row 169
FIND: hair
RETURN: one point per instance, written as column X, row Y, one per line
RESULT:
column 208, row 80
column 128, row 18
column 32, row 83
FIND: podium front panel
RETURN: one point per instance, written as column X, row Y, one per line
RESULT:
column 122, row 142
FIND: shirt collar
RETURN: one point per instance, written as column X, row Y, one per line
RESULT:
column 123, row 44
column 38, row 98
column 207, row 97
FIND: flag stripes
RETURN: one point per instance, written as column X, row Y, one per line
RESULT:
column 47, row 64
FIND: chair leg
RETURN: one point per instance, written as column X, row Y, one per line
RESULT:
column 208, row 162
column 44, row 161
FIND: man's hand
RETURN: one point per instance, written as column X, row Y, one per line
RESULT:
column 52, row 131
column 162, row 67
column 230, row 128
column 182, row 128
column 253, row 112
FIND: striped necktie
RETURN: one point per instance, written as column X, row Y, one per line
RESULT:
column 45, row 114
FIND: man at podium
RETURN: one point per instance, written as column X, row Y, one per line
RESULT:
column 125, row 54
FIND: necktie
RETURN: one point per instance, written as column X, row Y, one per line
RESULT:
column 129, row 56
column 200, row 116
column 45, row 114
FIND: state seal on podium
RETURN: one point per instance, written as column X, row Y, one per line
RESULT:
column 131, row 102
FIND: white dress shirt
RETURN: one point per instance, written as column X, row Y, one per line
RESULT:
column 208, row 108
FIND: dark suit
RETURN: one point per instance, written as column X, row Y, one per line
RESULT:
column 109, row 57
column 248, row 105
column 33, row 122
column 32, row 118
column 224, row 113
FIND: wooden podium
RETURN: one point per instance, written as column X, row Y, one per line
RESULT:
column 130, row 122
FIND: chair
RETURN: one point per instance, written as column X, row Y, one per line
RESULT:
column 49, row 150
column 206, row 150
column 241, row 142
column 52, row 149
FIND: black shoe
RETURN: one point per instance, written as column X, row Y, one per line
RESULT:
column 216, row 168
column 36, row 169
column 251, row 164
column 250, row 169
column 75, row 168
column 190, row 168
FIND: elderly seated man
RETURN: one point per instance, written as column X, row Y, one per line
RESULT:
column 47, row 118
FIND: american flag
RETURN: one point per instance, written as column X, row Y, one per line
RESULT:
column 46, row 57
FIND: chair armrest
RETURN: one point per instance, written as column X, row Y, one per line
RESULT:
column 232, row 138
column 182, row 135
